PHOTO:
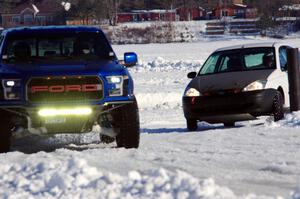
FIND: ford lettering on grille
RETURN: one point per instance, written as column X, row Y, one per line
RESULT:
column 65, row 88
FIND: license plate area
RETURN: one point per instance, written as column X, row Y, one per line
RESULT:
column 55, row 120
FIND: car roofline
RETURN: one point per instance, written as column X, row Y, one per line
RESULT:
column 250, row 45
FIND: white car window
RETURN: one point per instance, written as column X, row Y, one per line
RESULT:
column 252, row 60
column 283, row 58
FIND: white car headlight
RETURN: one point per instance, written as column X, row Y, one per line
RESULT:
column 192, row 92
column 257, row 85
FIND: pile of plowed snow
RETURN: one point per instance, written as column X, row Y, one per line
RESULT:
column 160, row 100
column 290, row 120
column 74, row 178
column 160, row 64
column 296, row 194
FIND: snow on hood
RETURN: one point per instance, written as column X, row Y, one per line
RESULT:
column 74, row 178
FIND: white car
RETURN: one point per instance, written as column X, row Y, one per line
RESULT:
column 238, row 83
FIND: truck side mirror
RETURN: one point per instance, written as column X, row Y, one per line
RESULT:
column 192, row 75
column 130, row 59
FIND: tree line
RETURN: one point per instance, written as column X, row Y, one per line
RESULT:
column 107, row 9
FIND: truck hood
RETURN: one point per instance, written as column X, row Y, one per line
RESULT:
column 230, row 80
column 80, row 67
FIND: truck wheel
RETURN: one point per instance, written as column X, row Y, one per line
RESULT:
column 106, row 139
column 229, row 124
column 278, row 107
column 5, row 135
column 191, row 124
column 129, row 124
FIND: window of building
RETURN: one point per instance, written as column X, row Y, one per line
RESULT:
column 16, row 19
column 50, row 18
column 28, row 18
column 41, row 19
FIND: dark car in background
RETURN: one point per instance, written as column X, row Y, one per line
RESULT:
column 238, row 83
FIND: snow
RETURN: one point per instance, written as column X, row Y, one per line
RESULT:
column 35, row 9
column 157, row 32
column 290, row 7
column 66, row 5
column 75, row 178
column 256, row 160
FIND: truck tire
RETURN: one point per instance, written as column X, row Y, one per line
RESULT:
column 229, row 124
column 5, row 135
column 278, row 107
column 191, row 124
column 106, row 139
column 129, row 124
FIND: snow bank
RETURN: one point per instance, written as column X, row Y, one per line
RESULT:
column 160, row 100
column 74, row 178
column 290, row 120
column 166, row 98
column 296, row 194
column 156, row 32
column 160, row 64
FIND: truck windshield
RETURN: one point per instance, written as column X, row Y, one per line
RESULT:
column 240, row 60
column 57, row 47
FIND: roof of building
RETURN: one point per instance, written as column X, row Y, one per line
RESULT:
column 153, row 11
column 236, row 6
column 43, row 6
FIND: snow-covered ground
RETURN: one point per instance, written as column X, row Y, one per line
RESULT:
column 257, row 159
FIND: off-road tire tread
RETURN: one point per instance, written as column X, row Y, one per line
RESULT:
column 278, row 112
column 129, row 124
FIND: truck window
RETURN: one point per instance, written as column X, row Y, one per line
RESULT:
column 57, row 47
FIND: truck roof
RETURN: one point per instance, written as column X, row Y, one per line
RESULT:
column 51, row 29
column 252, row 45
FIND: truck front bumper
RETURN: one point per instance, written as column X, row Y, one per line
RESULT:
column 229, row 107
column 29, row 118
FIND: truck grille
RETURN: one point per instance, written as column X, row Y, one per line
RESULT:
column 66, row 88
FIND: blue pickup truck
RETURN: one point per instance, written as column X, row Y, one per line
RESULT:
column 65, row 80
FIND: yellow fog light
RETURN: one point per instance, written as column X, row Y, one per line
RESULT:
column 47, row 112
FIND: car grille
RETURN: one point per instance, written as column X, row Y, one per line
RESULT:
column 66, row 88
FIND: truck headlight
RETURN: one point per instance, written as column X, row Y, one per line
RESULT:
column 114, row 79
column 115, row 85
column 257, row 85
column 11, row 89
column 192, row 92
column 77, row 111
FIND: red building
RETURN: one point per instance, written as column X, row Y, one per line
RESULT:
column 235, row 10
column 187, row 14
column 43, row 12
column 179, row 14
column 147, row 15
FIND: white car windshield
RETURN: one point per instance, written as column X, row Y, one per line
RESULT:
column 240, row 60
